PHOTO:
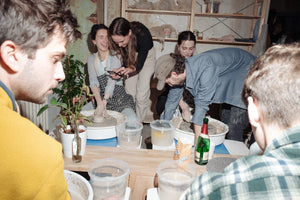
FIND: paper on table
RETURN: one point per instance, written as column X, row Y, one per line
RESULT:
column 236, row 147
column 127, row 194
column 171, row 147
column 152, row 194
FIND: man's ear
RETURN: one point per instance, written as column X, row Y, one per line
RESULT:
column 253, row 112
column 10, row 55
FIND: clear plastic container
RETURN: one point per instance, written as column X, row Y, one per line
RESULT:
column 162, row 132
column 174, row 177
column 129, row 135
column 109, row 178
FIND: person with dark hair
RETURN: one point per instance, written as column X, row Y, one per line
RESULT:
column 271, row 92
column 185, row 46
column 133, row 41
column 33, row 40
column 214, row 76
column 109, row 93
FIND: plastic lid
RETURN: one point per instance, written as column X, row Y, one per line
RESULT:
column 133, row 126
column 161, row 124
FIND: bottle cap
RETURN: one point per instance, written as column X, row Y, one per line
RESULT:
column 205, row 120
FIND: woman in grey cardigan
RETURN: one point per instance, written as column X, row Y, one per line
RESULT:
column 109, row 93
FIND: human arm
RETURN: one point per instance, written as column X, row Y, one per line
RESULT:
column 174, row 96
column 203, row 88
column 141, row 58
column 55, row 186
column 94, row 85
column 186, row 114
column 201, row 81
column 123, row 71
column 144, row 44
column 92, row 73
column 113, row 63
column 101, row 103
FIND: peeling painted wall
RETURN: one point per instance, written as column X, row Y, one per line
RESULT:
column 211, row 27
column 85, row 13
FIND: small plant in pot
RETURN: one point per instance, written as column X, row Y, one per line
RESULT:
column 71, row 95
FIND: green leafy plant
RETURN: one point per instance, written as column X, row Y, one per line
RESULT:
column 72, row 94
column 196, row 32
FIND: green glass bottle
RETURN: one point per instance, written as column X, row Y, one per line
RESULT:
column 202, row 146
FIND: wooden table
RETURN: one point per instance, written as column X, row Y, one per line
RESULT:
column 142, row 162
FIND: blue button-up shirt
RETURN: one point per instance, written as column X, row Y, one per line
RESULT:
column 215, row 76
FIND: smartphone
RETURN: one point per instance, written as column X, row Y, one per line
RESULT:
column 114, row 73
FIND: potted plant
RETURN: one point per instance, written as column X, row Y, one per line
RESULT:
column 71, row 95
column 198, row 34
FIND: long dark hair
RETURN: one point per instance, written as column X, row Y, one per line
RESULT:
column 121, row 26
column 179, row 66
column 184, row 36
column 95, row 28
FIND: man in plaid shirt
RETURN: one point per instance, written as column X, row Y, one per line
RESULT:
column 272, row 94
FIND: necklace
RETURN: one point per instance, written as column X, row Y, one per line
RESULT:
column 105, row 55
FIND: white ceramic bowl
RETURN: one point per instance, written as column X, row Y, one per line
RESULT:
column 188, row 137
column 101, row 133
column 78, row 186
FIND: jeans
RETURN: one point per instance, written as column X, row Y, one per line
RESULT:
column 237, row 120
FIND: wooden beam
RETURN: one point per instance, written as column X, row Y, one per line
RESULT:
column 100, row 11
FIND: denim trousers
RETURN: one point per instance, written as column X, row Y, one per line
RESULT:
column 237, row 120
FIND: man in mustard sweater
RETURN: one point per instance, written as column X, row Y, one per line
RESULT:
column 33, row 37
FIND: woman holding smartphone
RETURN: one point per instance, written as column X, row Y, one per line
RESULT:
column 133, row 42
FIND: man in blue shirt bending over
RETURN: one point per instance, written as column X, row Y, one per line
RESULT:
column 215, row 76
column 271, row 92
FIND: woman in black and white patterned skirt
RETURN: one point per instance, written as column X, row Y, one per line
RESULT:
column 109, row 93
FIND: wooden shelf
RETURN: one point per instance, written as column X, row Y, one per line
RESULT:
column 223, row 15
column 192, row 15
column 165, row 39
column 168, row 12
column 162, row 12
column 226, row 42
column 206, row 41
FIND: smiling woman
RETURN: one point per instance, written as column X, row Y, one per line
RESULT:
column 109, row 92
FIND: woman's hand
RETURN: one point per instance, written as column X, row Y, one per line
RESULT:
column 115, row 73
column 122, row 71
column 101, row 109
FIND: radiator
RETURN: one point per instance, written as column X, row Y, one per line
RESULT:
column 30, row 110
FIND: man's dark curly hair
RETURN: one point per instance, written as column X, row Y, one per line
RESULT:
column 179, row 66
